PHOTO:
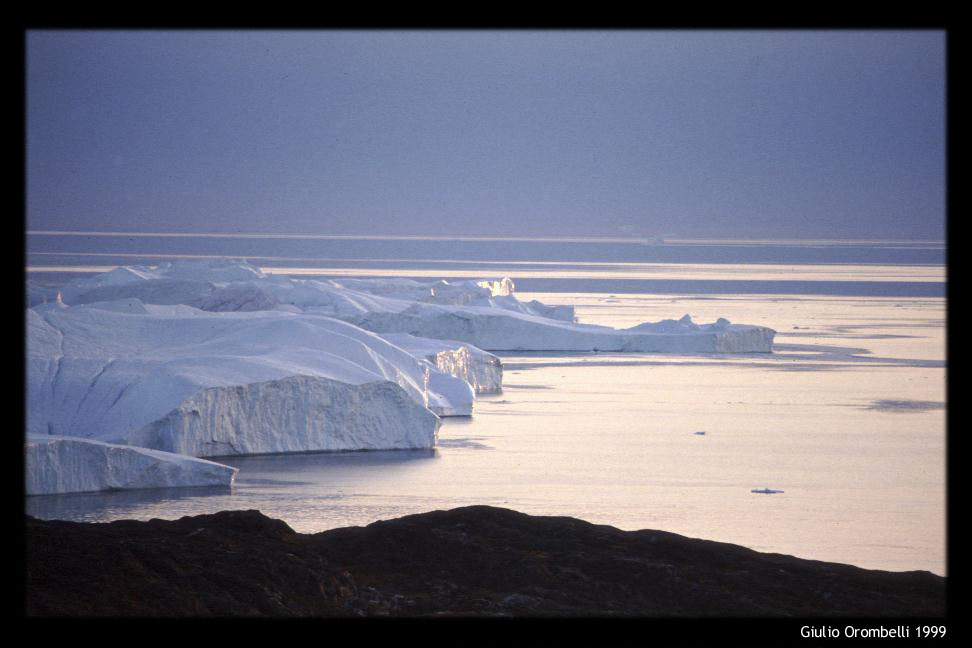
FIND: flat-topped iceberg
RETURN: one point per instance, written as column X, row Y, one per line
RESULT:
column 183, row 380
column 226, row 285
column 485, row 314
column 501, row 330
column 58, row 464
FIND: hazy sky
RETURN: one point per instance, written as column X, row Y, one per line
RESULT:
column 835, row 134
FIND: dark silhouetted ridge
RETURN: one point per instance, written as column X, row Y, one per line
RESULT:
column 471, row 561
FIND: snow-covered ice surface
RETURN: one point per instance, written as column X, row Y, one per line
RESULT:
column 58, row 464
column 183, row 380
column 229, row 285
column 485, row 314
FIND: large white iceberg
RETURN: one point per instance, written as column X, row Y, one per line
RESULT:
column 57, row 464
column 183, row 380
column 227, row 285
column 485, row 314
column 502, row 330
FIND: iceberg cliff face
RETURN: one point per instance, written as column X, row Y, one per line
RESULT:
column 295, row 414
column 123, row 372
column 482, row 370
column 56, row 464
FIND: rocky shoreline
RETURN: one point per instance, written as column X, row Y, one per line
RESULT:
column 474, row 561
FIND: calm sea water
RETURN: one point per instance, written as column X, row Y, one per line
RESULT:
column 847, row 417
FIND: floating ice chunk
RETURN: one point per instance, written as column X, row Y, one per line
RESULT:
column 685, row 335
column 482, row 370
column 57, row 464
column 906, row 405
column 450, row 396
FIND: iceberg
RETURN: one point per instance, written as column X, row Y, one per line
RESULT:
column 454, row 293
column 482, row 370
column 485, row 314
column 58, row 464
column 294, row 414
column 135, row 372
column 227, row 285
column 178, row 379
column 504, row 330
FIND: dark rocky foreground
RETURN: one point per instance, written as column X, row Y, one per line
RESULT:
column 478, row 560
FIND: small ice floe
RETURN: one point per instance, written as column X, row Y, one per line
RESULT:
column 905, row 405
column 765, row 491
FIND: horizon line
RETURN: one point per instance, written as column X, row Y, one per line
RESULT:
column 650, row 240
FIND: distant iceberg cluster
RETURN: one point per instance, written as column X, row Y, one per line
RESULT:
column 135, row 374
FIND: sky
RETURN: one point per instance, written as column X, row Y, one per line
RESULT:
column 640, row 133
